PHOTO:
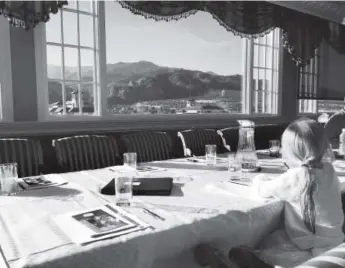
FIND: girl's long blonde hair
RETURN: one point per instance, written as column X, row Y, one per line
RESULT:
column 304, row 144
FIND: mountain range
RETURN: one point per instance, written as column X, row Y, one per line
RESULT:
column 129, row 83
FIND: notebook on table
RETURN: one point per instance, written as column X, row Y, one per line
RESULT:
column 41, row 181
column 98, row 223
column 144, row 186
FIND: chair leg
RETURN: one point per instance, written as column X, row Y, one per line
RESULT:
column 205, row 255
column 245, row 257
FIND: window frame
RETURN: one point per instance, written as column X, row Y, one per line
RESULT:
column 270, row 94
column 41, row 68
column 310, row 70
column 6, row 96
column 103, row 115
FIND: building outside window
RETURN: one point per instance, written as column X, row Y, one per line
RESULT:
column 98, row 64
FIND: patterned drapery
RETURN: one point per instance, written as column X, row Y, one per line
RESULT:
column 302, row 33
column 27, row 14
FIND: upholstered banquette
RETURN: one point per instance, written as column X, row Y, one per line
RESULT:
column 27, row 153
column 149, row 146
column 86, row 152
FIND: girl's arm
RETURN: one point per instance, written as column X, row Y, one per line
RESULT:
column 279, row 187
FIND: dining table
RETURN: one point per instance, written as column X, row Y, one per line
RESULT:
column 204, row 206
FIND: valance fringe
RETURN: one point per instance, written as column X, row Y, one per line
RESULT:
column 27, row 14
column 147, row 15
column 242, row 34
column 302, row 34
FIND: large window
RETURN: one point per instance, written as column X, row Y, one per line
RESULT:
column 187, row 66
column 72, row 60
column 101, row 59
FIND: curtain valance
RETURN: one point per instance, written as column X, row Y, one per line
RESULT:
column 27, row 14
column 302, row 33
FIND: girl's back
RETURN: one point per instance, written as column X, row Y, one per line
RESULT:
column 296, row 243
column 329, row 213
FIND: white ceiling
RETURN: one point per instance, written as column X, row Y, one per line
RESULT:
column 329, row 10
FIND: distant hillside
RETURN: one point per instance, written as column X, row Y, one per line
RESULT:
column 129, row 83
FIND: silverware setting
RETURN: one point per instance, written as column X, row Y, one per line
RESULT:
column 153, row 214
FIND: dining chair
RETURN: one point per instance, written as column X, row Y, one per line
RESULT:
column 85, row 152
column 27, row 153
column 335, row 124
column 229, row 137
column 149, row 146
column 194, row 141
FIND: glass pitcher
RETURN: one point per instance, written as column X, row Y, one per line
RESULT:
column 246, row 153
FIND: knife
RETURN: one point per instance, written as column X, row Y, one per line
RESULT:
column 153, row 214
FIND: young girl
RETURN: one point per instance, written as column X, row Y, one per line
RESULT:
column 313, row 210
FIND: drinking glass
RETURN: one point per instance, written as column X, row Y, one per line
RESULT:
column 211, row 154
column 234, row 167
column 124, row 188
column 8, row 179
column 328, row 155
column 274, row 147
column 130, row 160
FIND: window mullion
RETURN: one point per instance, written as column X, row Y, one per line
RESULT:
column 264, row 80
column 248, row 76
column 79, row 64
column 312, row 85
column 63, row 67
column 272, row 105
column 95, row 65
column 102, row 60
column 317, row 62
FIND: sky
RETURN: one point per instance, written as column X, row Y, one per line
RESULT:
column 196, row 43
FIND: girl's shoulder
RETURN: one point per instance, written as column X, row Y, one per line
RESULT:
column 327, row 170
column 326, row 167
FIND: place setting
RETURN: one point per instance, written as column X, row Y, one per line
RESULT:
column 104, row 222
column 247, row 163
column 11, row 185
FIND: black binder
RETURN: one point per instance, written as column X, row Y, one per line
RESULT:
column 144, row 186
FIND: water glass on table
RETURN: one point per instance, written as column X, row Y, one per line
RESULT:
column 211, row 154
column 124, row 188
column 130, row 160
column 234, row 167
column 274, row 148
column 8, row 179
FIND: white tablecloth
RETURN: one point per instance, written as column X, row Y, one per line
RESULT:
column 194, row 213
